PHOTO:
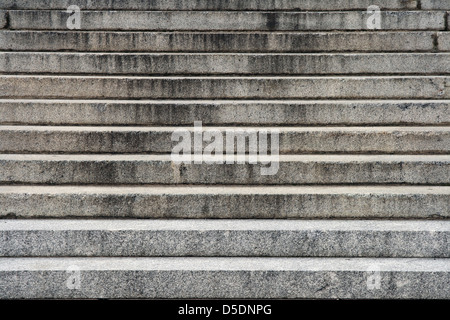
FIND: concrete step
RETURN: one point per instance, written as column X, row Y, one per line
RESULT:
column 224, row 64
column 379, row 41
column 282, row 170
column 390, row 140
column 224, row 238
column 226, row 20
column 214, row 202
column 180, row 112
column 3, row 19
column 189, row 5
column 444, row 41
column 435, row 4
column 97, row 87
column 395, row 278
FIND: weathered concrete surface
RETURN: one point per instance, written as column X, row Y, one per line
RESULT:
column 2, row 19
column 208, row 4
column 417, row 41
column 404, row 190
column 266, row 202
column 86, row 87
column 227, row 20
column 214, row 202
column 224, row 238
column 435, row 4
column 392, row 140
column 287, row 112
column 225, row 278
column 220, row 63
column 159, row 169
column 444, row 41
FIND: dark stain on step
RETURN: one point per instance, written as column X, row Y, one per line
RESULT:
column 272, row 21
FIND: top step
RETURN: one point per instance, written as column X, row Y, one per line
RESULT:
column 226, row 20
column 295, row 5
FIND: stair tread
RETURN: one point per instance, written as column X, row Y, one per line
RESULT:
column 282, row 158
column 226, row 190
column 230, row 263
column 202, row 225
column 388, row 129
column 332, row 278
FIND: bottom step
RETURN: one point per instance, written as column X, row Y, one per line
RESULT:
column 345, row 278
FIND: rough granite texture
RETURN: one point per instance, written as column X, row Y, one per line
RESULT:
column 224, row 202
column 160, row 169
column 224, row 64
column 43, row 139
column 220, row 41
column 227, row 20
column 225, row 278
column 87, row 182
column 280, row 87
column 210, row 4
column 159, row 112
column 435, row 4
column 250, row 238
column 2, row 19
column 444, row 41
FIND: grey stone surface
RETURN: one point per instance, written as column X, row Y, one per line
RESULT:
column 2, row 19
column 281, row 112
column 159, row 169
column 237, row 202
column 223, row 64
column 208, row 4
column 78, row 139
column 212, row 238
column 227, row 20
column 362, row 87
column 375, row 212
column 225, row 278
column 444, row 41
column 435, row 4
column 366, row 41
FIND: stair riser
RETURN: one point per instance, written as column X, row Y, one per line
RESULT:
column 222, row 42
column 225, row 243
column 204, row 204
column 56, row 112
column 239, row 21
column 213, row 4
column 185, row 283
column 164, row 171
column 245, row 64
column 92, row 140
column 225, row 88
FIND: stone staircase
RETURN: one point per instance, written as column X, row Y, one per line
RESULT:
column 93, row 206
